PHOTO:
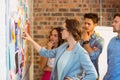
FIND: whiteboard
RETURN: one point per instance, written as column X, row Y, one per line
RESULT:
column 107, row 33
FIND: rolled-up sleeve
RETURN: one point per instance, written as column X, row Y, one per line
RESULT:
column 99, row 44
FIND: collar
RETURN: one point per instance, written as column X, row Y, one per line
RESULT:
column 117, row 38
column 94, row 35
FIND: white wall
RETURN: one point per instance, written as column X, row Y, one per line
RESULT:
column 2, row 41
column 107, row 33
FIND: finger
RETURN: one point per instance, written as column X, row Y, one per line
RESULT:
column 52, row 42
column 26, row 33
column 23, row 37
column 24, row 30
column 85, row 33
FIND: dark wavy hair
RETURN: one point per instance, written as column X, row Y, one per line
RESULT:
column 73, row 26
column 58, row 29
column 92, row 16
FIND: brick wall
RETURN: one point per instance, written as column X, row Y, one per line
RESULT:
column 51, row 13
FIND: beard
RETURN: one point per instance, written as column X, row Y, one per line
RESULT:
column 116, row 29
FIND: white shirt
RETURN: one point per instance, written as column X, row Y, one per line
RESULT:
column 50, row 62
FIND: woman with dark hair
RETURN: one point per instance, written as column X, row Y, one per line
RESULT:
column 70, row 58
column 55, row 40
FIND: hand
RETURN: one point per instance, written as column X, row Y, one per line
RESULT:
column 85, row 36
column 95, row 48
column 68, row 78
column 26, row 36
column 50, row 45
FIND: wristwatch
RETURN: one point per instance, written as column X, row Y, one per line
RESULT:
column 85, row 42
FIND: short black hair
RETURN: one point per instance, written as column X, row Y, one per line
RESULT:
column 92, row 16
column 117, row 14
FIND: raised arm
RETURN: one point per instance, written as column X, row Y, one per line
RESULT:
column 27, row 37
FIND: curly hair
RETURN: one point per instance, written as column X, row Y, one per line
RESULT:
column 58, row 29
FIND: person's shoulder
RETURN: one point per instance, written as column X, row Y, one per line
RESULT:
column 64, row 44
column 79, row 47
column 99, row 36
column 81, row 51
column 113, row 38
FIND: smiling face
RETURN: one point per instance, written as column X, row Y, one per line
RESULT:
column 54, row 36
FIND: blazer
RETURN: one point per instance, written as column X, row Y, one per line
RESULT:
column 79, row 62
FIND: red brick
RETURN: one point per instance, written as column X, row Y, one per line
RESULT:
column 48, row 14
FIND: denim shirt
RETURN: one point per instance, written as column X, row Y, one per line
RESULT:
column 96, row 41
column 113, row 60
